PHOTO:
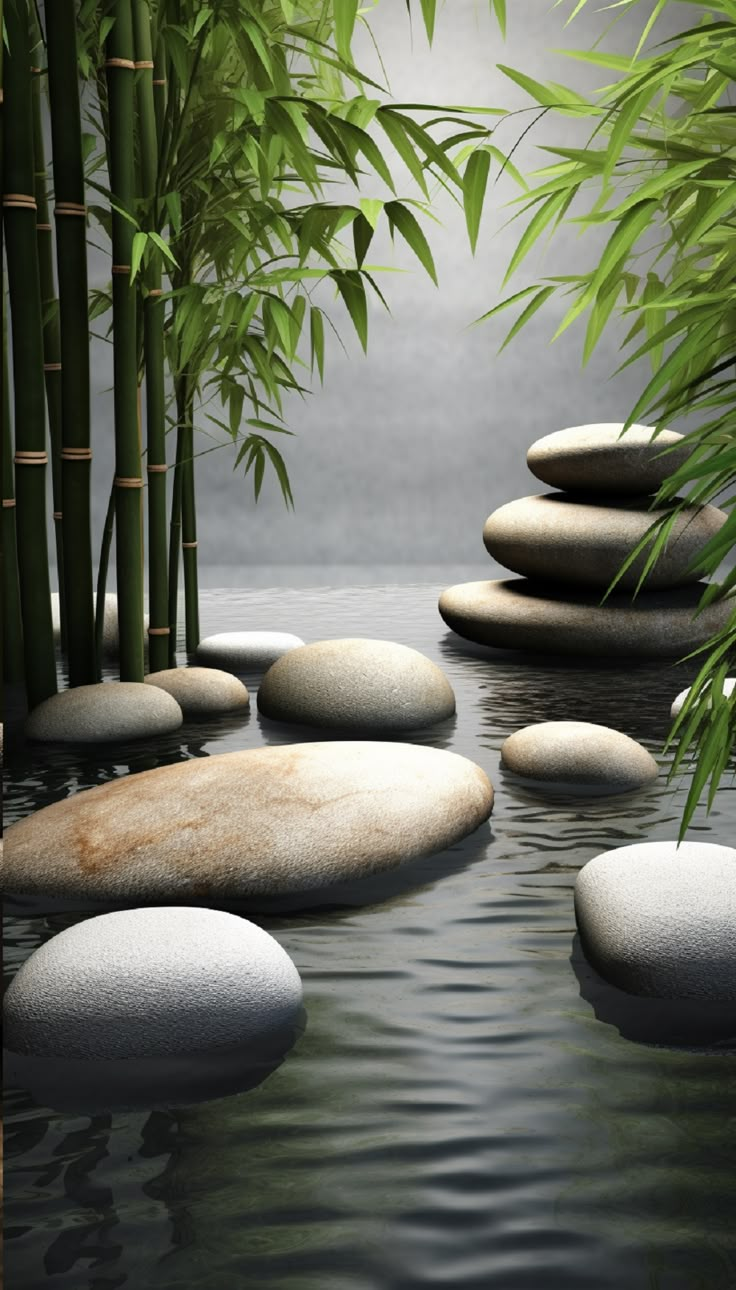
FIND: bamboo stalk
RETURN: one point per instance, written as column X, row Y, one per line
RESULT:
column 120, row 69
column 51, row 339
column 71, row 259
column 107, row 532
column 175, row 530
column 153, row 348
column 189, row 529
column 12, row 636
column 19, row 216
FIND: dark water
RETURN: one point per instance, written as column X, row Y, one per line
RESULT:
column 455, row 1114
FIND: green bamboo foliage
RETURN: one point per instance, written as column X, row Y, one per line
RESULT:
column 51, row 337
column 19, row 217
column 71, row 259
column 153, row 349
column 120, row 69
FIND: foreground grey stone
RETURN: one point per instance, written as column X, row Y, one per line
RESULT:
column 520, row 614
column 110, row 633
column 244, row 651
column 150, row 983
column 583, row 543
column 201, row 691
column 579, row 754
column 105, row 712
column 728, row 687
column 267, row 821
column 594, row 457
column 659, row 920
column 363, row 684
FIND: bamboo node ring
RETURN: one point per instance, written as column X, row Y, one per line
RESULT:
column 188, row 545
column 76, row 454
column 52, row 367
column 30, row 458
column 121, row 268
column 163, row 469
column 58, row 515
column 8, row 502
column 144, row 64
column 124, row 481
column 35, row 71
column 20, row 199
column 70, row 208
column 159, row 631
column 43, row 228
column 158, row 81
column 155, row 291
column 120, row 62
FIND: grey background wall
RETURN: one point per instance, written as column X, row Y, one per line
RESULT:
column 402, row 454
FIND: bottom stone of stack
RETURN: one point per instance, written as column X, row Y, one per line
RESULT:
column 516, row 613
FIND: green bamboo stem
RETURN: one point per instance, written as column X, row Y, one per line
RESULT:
column 51, row 339
column 12, row 636
column 19, row 215
column 189, row 530
column 102, row 569
column 71, row 260
column 175, row 529
column 159, row 89
column 120, row 69
column 153, row 348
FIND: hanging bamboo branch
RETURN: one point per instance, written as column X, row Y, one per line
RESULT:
column 120, row 69
column 71, row 259
column 153, row 348
column 19, row 217
column 51, row 337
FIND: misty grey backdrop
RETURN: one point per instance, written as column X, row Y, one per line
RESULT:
column 402, row 454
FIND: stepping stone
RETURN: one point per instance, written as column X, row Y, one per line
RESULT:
column 594, row 457
column 585, row 542
column 656, row 919
column 201, row 691
column 359, row 684
column 524, row 615
column 110, row 633
column 578, row 754
column 151, row 983
column 728, row 686
column 236, row 826
column 104, row 713
column 244, row 651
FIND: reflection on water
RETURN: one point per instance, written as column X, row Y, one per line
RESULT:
column 461, row 1109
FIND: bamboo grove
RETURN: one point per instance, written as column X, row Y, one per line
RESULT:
column 197, row 139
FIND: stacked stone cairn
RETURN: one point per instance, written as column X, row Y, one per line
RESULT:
column 568, row 545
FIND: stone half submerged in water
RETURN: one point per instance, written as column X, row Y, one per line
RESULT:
column 269, row 822
column 578, row 755
column 516, row 613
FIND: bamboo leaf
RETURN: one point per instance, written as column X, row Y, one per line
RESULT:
column 534, row 228
column 393, row 127
column 140, row 241
column 362, row 237
column 400, row 217
column 317, row 341
column 475, row 180
column 350, row 285
column 534, row 304
column 346, row 11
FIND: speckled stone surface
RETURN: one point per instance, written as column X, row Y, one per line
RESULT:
column 594, row 457
column 518, row 614
column 578, row 753
column 659, row 920
column 110, row 636
column 244, row 651
column 728, row 687
column 583, row 540
column 271, row 820
column 200, row 691
column 108, row 711
column 150, row 982
column 356, row 683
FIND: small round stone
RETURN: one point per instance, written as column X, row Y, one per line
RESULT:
column 579, row 754
column 728, row 687
column 356, row 683
column 200, row 691
column 657, row 919
column 245, row 651
column 105, row 712
column 597, row 457
column 151, row 983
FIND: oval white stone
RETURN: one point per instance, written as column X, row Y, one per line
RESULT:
column 267, row 821
column 244, row 651
column 578, row 753
column 595, row 457
column 585, row 542
column 364, row 684
column 728, row 686
column 101, row 713
column 201, row 690
column 659, row 920
column 151, row 982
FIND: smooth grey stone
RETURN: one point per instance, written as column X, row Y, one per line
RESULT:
column 244, row 651
column 579, row 754
column 110, row 633
column 105, row 712
column 518, row 614
column 364, row 684
column 150, row 983
column 584, row 543
column 268, row 821
column 200, row 691
column 657, row 919
column 594, row 457
column 728, row 686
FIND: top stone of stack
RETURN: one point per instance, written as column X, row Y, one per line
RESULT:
column 593, row 458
